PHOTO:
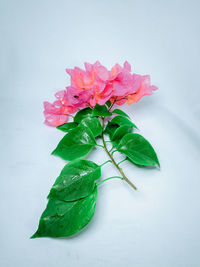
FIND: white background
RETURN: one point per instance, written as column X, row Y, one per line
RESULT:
column 157, row 226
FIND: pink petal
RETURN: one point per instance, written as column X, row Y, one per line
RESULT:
column 127, row 66
column 55, row 120
column 60, row 94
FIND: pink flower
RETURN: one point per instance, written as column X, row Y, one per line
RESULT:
column 101, row 96
column 80, row 79
column 88, row 78
column 57, row 113
column 54, row 115
column 89, row 86
column 78, row 98
column 96, row 85
column 145, row 88
column 100, row 72
column 122, row 80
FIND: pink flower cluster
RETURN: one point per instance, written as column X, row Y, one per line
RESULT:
column 97, row 85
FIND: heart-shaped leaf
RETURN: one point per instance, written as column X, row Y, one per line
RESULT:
column 82, row 114
column 101, row 111
column 75, row 144
column 94, row 125
column 120, row 112
column 66, row 127
column 63, row 219
column 122, row 121
column 76, row 180
column 138, row 150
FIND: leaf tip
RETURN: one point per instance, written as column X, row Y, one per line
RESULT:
column 53, row 152
column 158, row 164
column 34, row 235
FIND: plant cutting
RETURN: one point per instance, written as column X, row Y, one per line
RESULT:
column 94, row 97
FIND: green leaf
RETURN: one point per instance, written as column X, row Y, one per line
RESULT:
column 122, row 121
column 108, row 103
column 82, row 114
column 66, row 127
column 119, row 133
column 94, row 125
column 76, row 180
column 64, row 219
column 75, row 144
column 110, row 129
column 101, row 111
column 138, row 150
column 120, row 112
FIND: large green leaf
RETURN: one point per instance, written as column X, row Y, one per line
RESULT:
column 94, row 125
column 119, row 133
column 63, row 219
column 138, row 150
column 82, row 114
column 120, row 112
column 76, row 180
column 101, row 111
column 122, row 121
column 110, row 129
column 66, row 127
column 75, row 144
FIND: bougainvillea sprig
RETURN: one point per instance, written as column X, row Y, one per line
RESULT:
column 92, row 95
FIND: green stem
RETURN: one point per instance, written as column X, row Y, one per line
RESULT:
column 121, row 161
column 112, row 104
column 105, row 162
column 100, row 146
column 109, row 179
column 113, row 152
column 111, row 149
column 114, row 162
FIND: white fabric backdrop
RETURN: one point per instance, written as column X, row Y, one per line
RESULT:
column 157, row 226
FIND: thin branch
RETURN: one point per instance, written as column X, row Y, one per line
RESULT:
column 105, row 163
column 121, row 161
column 100, row 146
column 109, row 179
column 114, row 162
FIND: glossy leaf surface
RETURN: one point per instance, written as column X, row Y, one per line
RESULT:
column 110, row 129
column 122, row 121
column 63, row 219
column 76, row 180
column 82, row 114
column 138, row 150
column 77, row 143
column 119, row 133
column 101, row 111
column 67, row 126
column 94, row 125
column 120, row 112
